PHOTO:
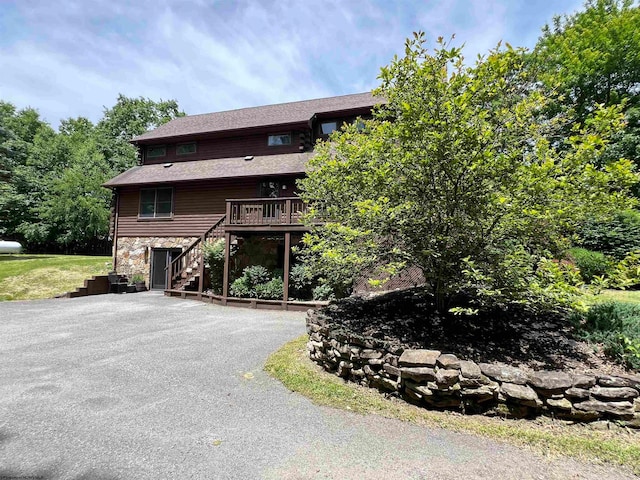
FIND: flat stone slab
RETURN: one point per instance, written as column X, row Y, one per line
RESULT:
column 470, row 370
column 620, row 409
column 485, row 391
column 447, row 377
column 521, row 393
column 369, row 354
column 613, row 393
column 419, row 358
column 574, row 392
column 504, row 373
column 551, row 381
column 611, row 381
column 418, row 374
column 421, row 389
column 583, row 381
column 448, row 360
column 560, row 404
column 391, row 370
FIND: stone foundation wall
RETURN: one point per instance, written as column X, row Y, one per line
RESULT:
column 433, row 379
column 133, row 254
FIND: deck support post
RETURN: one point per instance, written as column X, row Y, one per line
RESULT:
column 201, row 266
column 287, row 267
column 227, row 260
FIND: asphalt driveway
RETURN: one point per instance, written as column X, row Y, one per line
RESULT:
column 149, row 387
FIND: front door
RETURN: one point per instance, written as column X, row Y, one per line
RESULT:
column 160, row 261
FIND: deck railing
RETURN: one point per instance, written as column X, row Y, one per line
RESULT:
column 265, row 211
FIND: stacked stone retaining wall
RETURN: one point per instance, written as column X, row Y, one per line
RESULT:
column 440, row 380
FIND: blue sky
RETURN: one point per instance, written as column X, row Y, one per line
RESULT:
column 72, row 58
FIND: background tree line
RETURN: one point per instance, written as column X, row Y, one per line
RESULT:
column 50, row 181
column 51, row 194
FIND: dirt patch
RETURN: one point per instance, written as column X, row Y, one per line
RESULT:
column 408, row 318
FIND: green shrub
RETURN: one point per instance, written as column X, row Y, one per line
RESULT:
column 271, row 290
column 323, row 292
column 241, row 287
column 257, row 282
column 257, row 274
column 301, row 281
column 213, row 253
column 615, row 326
column 626, row 273
column 590, row 263
column 616, row 237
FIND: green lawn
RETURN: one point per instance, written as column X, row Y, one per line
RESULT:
column 628, row 296
column 28, row 277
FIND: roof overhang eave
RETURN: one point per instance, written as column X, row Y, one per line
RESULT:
column 213, row 133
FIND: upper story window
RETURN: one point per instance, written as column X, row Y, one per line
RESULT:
column 156, row 202
column 155, row 151
column 186, row 148
column 328, row 127
column 280, row 139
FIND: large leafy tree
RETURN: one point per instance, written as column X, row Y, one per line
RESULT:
column 128, row 118
column 22, row 134
column 592, row 58
column 455, row 175
column 52, row 193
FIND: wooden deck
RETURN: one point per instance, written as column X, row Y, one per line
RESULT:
column 265, row 214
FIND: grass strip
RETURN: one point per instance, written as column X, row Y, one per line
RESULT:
column 293, row 368
column 29, row 277
column 625, row 296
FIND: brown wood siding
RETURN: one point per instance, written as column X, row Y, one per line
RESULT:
column 230, row 147
column 196, row 207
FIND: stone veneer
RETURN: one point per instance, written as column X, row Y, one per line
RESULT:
column 433, row 379
column 133, row 254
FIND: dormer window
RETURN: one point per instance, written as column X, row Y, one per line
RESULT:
column 328, row 127
column 186, row 148
column 156, row 151
column 279, row 140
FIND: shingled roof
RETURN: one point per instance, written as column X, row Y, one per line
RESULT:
column 268, row 115
column 288, row 163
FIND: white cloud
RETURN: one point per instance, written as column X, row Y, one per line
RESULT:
column 220, row 55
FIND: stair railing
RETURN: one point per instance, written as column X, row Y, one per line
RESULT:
column 192, row 259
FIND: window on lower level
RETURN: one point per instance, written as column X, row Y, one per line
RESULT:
column 156, row 202
column 280, row 139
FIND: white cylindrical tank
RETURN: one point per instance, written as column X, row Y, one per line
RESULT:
column 10, row 247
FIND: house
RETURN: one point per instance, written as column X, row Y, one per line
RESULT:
column 225, row 175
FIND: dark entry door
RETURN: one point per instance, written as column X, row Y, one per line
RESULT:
column 160, row 260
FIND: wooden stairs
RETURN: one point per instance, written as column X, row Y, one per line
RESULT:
column 97, row 285
column 187, row 269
